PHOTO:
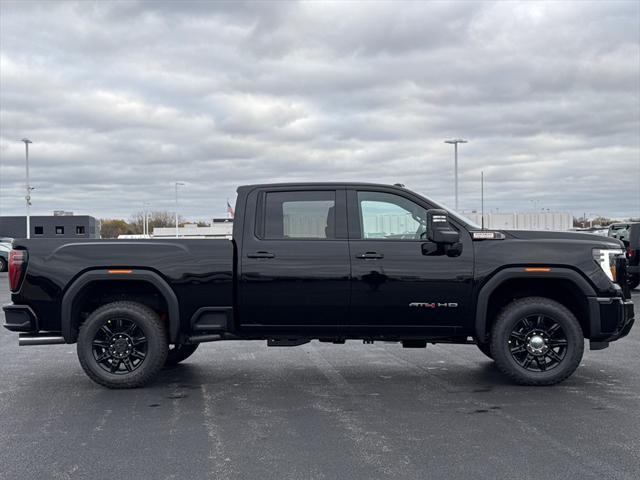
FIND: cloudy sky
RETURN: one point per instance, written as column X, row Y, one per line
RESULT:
column 121, row 99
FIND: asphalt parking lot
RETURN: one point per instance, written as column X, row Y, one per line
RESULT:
column 242, row 410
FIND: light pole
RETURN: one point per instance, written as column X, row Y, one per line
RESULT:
column 145, row 219
column 28, row 185
column 455, row 143
column 177, row 183
column 482, row 198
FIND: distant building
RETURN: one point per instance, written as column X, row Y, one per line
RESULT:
column 51, row 226
column 553, row 221
column 220, row 228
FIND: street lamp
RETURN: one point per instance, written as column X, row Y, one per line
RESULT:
column 145, row 218
column 177, row 183
column 28, row 185
column 455, row 143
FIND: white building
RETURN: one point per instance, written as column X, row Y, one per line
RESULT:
column 220, row 228
column 555, row 221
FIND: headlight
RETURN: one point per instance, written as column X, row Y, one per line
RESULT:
column 606, row 258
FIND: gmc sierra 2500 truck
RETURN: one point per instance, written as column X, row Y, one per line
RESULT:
column 325, row 261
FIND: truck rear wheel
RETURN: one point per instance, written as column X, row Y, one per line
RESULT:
column 178, row 353
column 537, row 341
column 122, row 345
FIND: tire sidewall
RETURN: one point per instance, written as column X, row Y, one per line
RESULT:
column 3, row 265
column 515, row 313
column 147, row 322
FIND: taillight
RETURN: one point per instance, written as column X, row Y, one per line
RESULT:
column 17, row 267
column 631, row 252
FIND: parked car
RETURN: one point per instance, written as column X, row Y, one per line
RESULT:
column 326, row 261
column 629, row 234
column 5, row 248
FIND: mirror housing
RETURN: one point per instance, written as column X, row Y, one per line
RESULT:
column 438, row 228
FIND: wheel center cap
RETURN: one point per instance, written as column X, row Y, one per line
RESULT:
column 120, row 346
column 536, row 344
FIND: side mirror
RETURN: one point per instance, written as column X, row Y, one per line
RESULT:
column 438, row 228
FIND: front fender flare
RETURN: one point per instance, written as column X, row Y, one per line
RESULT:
column 482, row 304
column 70, row 333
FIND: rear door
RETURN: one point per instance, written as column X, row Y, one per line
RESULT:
column 294, row 261
column 400, row 281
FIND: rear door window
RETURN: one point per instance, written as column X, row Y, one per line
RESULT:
column 299, row 215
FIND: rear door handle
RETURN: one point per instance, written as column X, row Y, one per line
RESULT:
column 261, row 255
column 369, row 255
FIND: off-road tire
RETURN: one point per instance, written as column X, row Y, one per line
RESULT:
column 147, row 321
column 178, row 353
column 3, row 265
column 485, row 348
column 507, row 320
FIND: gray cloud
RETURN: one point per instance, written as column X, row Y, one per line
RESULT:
column 123, row 98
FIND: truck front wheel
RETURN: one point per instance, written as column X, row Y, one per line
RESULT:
column 537, row 341
column 178, row 353
column 122, row 345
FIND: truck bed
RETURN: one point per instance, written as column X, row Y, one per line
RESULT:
column 200, row 271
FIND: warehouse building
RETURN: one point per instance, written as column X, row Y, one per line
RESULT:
column 219, row 228
column 61, row 225
column 551, row 221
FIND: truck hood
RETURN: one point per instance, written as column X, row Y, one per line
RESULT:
column 598, row 240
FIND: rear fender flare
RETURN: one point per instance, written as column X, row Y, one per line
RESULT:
column 69, row 332
column 518, row 272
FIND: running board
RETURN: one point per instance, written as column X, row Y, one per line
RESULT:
column 26, row 339
column 214, row 337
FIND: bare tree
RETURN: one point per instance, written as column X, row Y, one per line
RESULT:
column 157, row 219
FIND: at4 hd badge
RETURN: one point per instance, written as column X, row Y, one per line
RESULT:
column 433, row 305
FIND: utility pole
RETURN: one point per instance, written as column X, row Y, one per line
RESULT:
column 28, row 185
column 455, row 143
column 177, row 183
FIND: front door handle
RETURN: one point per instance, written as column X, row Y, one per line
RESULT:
column 369, row 255
column 261, row 255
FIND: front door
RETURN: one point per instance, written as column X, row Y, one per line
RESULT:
column 400, row 283
column 295, row 265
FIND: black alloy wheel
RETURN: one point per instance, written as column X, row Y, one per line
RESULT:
column 538, row 343
column 119, row 346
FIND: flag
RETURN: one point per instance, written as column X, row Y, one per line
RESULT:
column 230, row 211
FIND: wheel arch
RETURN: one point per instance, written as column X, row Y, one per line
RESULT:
column 70, row 322
column 555, row 282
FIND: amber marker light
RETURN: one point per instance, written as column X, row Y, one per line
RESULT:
column 537, row 269
column 120, row 272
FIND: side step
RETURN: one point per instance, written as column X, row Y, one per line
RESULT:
column 25, row 339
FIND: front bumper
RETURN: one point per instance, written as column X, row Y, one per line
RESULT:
column 611, row 318
column 20, row 318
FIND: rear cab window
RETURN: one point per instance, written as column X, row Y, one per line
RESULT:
column 296, row 215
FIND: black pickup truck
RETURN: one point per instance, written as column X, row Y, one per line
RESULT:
column 325, row 261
